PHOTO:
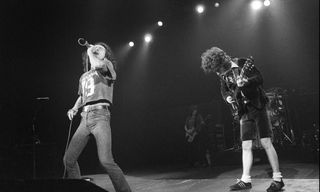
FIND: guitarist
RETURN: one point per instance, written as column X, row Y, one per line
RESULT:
column 193, row 124
column 241, row 86
column 193, row 128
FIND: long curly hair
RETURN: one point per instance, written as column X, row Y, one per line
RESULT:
column 109, row 55
column 213, row 59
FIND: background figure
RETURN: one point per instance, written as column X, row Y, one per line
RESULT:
column 196, row 134
column 209, row 139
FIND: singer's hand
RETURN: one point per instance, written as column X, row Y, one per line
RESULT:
column 71, row 113
column 230, row 99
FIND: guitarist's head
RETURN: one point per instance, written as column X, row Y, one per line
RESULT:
column 215, row 60
column 193, row 109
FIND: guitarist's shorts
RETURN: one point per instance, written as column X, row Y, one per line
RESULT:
column 255, row 124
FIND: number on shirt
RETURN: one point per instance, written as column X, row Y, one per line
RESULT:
column 88, row 87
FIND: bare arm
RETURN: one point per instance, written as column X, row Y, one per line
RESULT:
column 77, row 104
column 112, row 71
column 74, row 110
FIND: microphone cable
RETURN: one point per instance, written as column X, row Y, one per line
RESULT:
column 67, row 145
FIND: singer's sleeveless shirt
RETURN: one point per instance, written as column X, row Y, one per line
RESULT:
column 93, row 86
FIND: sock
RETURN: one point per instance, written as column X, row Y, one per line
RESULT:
column 246, row 178
column 277, row 176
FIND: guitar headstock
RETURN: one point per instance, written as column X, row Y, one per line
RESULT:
column 248, row 65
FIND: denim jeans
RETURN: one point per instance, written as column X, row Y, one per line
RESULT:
column 97, row 123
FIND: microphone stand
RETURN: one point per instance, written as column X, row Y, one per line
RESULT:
column 35, row 140
column 35, row 136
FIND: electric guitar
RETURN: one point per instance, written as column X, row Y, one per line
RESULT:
column 191, row 134
column 236, row 106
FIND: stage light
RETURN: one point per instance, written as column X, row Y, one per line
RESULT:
column 266, row 3
column 217, row 4
column 160, row 23
column 200, row 9
column 131, row 43
column 148, row 38
column 256, row 4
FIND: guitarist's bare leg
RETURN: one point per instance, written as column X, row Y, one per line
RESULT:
column 263, row 124
column 247, row 159
column 247, row 127
column 273, row 157
column 242, row 85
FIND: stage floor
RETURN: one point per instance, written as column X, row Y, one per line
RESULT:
column 297, row 178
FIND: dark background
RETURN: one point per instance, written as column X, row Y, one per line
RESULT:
column 40, row 57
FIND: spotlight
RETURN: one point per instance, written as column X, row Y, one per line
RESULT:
column 160, row 23
column 256, row 4
column 266, row 3
column 131, row 43
column 148, row 38
column 200, row 9
column 217, row 4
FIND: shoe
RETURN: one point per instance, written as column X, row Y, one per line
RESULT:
column 87, row 178
column 240, row 185
column 276, row 186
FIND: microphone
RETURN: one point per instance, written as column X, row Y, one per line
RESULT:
column 84, row 43
column 43, row 98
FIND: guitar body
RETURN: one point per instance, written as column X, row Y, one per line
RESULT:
column 237, row 108
column 190, row 135
column 234, row 108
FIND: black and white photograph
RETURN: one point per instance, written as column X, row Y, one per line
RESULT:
column 159, row 96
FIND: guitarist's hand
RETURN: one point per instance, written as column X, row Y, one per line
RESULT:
column 241, row 82
column 230, row 99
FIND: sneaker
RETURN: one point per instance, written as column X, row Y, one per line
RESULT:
column 240, row 185
column 276, row 186
column 87, row 178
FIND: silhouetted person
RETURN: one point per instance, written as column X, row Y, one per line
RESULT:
column 194, row 133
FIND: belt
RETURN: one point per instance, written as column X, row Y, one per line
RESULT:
column 93, row 107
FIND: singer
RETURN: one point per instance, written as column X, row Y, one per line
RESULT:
column 95, row 98
column 242, row 85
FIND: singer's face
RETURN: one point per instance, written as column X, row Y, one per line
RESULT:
column 99, row 51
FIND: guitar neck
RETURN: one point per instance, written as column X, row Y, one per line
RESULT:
column 242, row 72
column 244, row 68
